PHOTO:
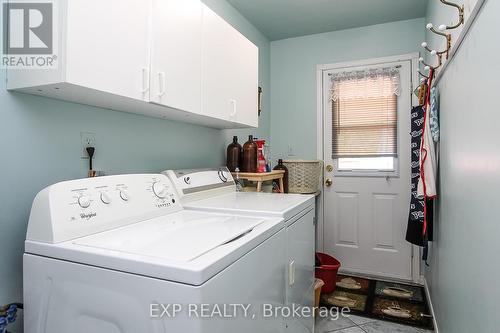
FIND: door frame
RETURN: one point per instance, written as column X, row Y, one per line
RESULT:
column 320, row 131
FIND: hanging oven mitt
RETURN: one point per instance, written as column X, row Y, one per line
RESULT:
column 422, row 93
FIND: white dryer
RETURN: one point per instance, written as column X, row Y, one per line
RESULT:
column 213, row 190
column 111, row 254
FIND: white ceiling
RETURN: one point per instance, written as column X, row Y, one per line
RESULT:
column 279, row 19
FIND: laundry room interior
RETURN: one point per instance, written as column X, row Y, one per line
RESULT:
column 252, row 166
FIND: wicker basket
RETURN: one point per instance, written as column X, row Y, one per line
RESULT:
column 303, row 176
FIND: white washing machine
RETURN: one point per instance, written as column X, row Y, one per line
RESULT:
column 213, row 190
column 111, row 254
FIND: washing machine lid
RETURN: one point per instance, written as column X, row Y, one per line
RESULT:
column 188, row 246
column 252, row 203
column 178, row 238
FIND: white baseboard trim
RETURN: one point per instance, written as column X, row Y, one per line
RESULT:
column 431, row 307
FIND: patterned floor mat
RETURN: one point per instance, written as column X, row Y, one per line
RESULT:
column 401, row 303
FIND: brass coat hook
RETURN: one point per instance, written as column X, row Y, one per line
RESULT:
column 460, row 16
column 424, row 77
column 429, row 67
column 433, row 52
column 430, row 26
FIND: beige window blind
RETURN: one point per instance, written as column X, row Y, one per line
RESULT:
column 364, row 119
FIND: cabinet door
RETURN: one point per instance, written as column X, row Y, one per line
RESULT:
column 230, row 72
column 107, row 45
column 246, row 85
column 176, row 54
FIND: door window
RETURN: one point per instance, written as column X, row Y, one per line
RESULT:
column 364, row 121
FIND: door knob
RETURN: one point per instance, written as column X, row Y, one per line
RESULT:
column 328, row 182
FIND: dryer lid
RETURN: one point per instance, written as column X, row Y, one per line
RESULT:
column 252, row 203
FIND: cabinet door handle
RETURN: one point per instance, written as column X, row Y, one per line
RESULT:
column 291, row 273
column 161, row 83
column 145, row 80
column 233, row 104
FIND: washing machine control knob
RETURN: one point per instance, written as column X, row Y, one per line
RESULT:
column 105, row 198
column 84, row 201
column 160, row 190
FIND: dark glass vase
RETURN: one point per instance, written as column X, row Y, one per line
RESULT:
column 233, row 155
column 249, row 163
column 281, row 166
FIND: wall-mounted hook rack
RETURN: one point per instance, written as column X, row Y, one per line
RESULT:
column 430, row 26
column 424, row 77
column 433, row 52
column 460, row 36
column 460, row 16
column 425, row 46
column 429, row 67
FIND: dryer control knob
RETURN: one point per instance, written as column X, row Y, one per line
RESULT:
column 124, row 195
column 84, row 201
column 105, row 198
column 160, row 190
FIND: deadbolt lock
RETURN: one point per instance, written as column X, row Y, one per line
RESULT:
column 329, row 168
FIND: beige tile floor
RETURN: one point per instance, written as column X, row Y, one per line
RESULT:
column 357, row 324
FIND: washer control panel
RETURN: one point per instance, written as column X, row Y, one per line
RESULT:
column 77, row 208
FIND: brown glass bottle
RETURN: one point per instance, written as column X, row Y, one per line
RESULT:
column 249, row 163
column 281, row 166
column 233, row 156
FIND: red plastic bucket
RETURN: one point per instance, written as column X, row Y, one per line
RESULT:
column 327, row 271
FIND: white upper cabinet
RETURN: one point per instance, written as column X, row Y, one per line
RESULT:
column 176, row 54
column 163, row 58
column 230, row 72
column 107, row 46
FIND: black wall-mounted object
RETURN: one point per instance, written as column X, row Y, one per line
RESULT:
column 260, row 100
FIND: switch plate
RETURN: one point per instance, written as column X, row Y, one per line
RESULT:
column 88, row 140
column 290, row 151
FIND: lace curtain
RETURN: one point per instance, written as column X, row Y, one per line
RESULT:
column 380, row 82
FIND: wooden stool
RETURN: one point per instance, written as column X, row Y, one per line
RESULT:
column 262, row 177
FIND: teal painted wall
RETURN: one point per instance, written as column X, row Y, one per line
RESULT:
column 41, row 145
column 464, row 267
column 293, row 75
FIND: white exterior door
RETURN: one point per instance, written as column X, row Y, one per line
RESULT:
column 366, row 209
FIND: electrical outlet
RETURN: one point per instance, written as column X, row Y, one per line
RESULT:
column 88, row 140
